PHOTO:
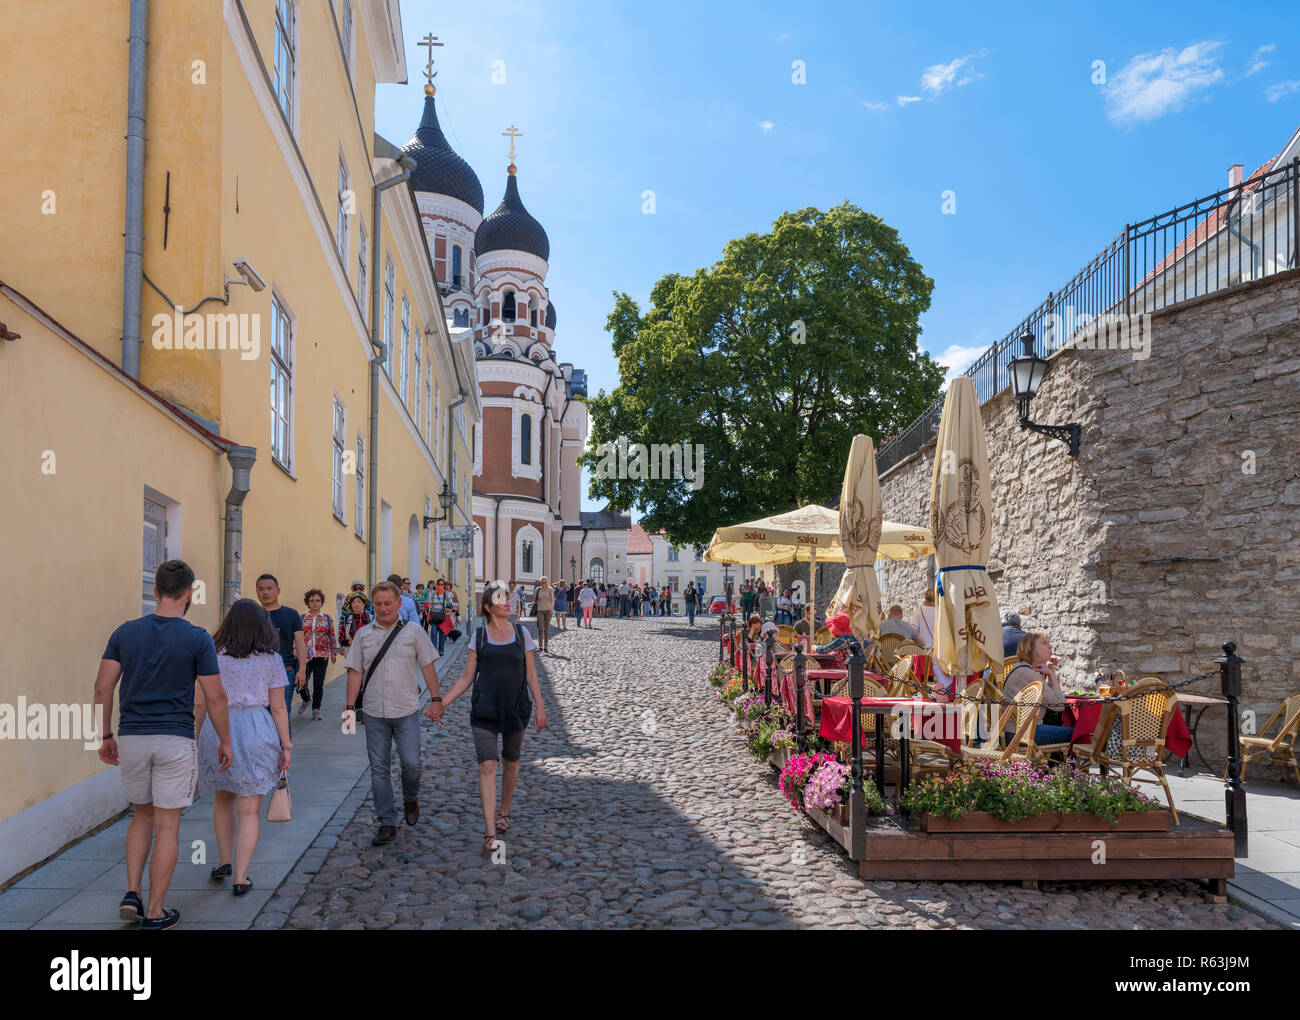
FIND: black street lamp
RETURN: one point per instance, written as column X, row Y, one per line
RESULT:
column 446, row 500
column 1027, row 373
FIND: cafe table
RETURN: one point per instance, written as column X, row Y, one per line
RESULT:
column 1083, row 714
column 837, row 725
column 1188, row 702
column 827, row 676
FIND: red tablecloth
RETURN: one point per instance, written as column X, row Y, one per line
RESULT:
column 1083, row 714
column 826, row 674
column 940, row 723
column 787, row 696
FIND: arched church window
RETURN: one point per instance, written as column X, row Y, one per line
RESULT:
column 597, row 570
column 508, row 307
column 526, row 439
column 528, row 558
column 460, row 317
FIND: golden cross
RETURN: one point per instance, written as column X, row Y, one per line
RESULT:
column 430, row 41
column 512, row 134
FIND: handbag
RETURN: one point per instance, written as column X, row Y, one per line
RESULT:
column 280, row 807
column 371, row 671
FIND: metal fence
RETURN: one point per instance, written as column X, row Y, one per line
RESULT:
column 1245, row 232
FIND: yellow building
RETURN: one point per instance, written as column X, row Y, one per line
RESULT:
column 188, row 201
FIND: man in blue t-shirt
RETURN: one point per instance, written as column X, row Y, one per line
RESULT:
column 158, row 658
column 289, row 624
column 409, row 611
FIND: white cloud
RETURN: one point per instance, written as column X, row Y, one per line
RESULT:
column 936, row 78
column 766, row 125
column 1153, row 84
column 875, row 106
column 957, row 359
column 904, row 100
column 1283, row 88
column 1257, row 61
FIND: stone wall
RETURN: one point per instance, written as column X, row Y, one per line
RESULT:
column 1178, row 526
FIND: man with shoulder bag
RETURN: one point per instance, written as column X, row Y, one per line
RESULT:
column 385, row 664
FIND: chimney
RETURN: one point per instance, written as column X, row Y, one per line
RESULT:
column 1234, row 175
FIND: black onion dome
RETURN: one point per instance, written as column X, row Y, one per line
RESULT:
column 438, row 169
column 512, row 228
column 550, row 315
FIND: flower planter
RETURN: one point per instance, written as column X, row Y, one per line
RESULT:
column 982, row 821
column 778, row 758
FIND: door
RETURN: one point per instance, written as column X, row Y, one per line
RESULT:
column 155, row 551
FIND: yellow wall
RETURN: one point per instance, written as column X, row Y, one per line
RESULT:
column 72, row 541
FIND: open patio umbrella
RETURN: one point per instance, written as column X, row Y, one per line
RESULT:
column 861, row 520
column 967, row 626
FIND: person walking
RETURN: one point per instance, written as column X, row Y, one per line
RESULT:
column 385, row 664
column 289, row 623
column 561, row 603
column 691, row 598
column 319, row 644
column 159, row 659
column 408, row 611
column 516, row 602
column 356, row 614
column 544, row 606
column 623, row 594
column 248, row 657
column 587, row 599
column 439, row 609
column 501, row 670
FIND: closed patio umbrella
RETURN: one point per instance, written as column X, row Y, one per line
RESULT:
column 861, row 519
column 967, row 626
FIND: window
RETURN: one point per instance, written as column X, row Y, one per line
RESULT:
column 428, row 532
column 281, row 384
column 528, row 558
column 415, row 379
column 345, row 208
column 673, row 582
column 360, row 526
column 597, row 570
column 532, row 317
column 286, row 61
column 406, row 340
column 363, row 298
column 701, row 583
column 437, row 432
column 460, row 419
column 460, row 317
column 336, row 462
column 455, row 267
column 673, row 554
column 508, row 307
column 390, row 285
column 428, row 401
column 526, row 439
column 347, row 35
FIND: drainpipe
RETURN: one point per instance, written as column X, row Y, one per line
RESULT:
column 372, row 458
column 241, row 464
column 497, row 525
column 133, row 262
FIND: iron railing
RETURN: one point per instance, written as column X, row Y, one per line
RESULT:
column 1245, row 232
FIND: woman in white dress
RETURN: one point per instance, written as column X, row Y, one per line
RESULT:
column 252, row 672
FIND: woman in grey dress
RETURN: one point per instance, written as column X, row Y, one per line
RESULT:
column 252, row 672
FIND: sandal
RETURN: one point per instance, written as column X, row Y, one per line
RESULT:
column 490, row 845
column 503, row 823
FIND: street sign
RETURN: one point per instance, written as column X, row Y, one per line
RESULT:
column 457, row 542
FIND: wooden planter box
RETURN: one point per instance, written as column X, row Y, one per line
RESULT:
column 778, row 758
column 982, row 821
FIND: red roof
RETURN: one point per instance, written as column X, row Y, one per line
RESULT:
column 639, row 542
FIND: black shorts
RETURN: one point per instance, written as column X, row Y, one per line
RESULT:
column 485, row 744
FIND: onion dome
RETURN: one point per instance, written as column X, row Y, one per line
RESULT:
column 438, row 169
column 550, row 316
column 511, row 227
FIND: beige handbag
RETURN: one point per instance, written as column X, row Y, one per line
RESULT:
column 280, row 808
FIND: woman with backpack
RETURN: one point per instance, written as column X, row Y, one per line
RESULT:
column 501, row 670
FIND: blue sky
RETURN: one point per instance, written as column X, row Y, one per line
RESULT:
column 994, row 102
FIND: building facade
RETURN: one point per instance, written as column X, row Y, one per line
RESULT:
column 136, row 397
column 492, row 274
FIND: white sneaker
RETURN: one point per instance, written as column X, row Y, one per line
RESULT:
column 302, row 707
column 315, row 713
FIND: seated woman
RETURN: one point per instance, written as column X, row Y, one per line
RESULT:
column 785, row 608
column 841, row 634
column 1035, row 662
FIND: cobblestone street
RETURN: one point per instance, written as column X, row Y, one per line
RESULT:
column 639, row 807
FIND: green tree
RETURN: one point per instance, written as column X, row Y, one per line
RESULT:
column 770, row 360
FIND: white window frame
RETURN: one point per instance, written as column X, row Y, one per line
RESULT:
column 363, row 266
column 406, row 343
column 428, row 532
column 416, row 376
column 360, row 526
column 339, row 442
column 284, row 77
column 428, row 400
column 348, row 34
column 437, row 412
column 528, row 533
column 283, row 328
column 341, row 220
column 390, row 287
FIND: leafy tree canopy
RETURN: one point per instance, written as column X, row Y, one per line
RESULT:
column 770, row 360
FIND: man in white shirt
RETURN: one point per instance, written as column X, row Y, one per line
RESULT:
column 391, row 703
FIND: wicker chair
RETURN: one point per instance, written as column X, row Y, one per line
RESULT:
column 1144, row 713
column 888, row 645
column 909, row 649
column 870, row 688
column 902, row 684
column 822, row 637
column 1024, row 740
column 932, row 756
column 1278, row 748
column 785, row 634
column 1023, row 714
column 1093, row 752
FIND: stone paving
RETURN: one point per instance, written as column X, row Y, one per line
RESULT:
column 640, row 808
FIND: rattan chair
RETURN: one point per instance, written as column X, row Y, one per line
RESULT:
column 822, row 637
column 1279, row 748
column 1093, row 752
column 909, row 648
column 1022, row 713
column 932, row 756
column 870, row 689
column 902, row 684
column 1145, row 709
column 1027, row 703
column 785, row 634
column 888, row 645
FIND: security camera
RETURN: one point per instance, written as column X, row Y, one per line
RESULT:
column 249, row 274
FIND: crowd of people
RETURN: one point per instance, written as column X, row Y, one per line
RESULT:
column 588, row 599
